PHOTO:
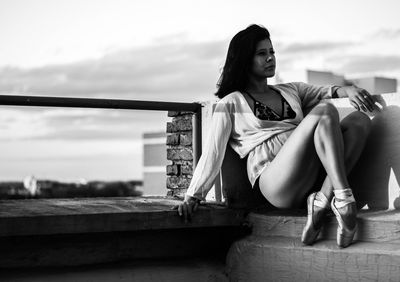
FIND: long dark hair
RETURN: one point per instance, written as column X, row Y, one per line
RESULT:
column 234, row 76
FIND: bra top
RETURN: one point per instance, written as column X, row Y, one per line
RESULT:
column 263, row 112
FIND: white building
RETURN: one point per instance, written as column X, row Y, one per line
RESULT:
column 324, row 78
column 377, row 85
column 154, row 163
column 374, row 85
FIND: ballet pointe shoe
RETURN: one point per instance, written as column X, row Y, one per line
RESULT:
column 344, row 234
column 312, row 229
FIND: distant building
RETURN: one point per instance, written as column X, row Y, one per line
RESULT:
column 154, row 163
column 324, row 78
column 377, row 85
column 374, row 85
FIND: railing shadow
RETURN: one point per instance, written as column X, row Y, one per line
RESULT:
column 371, row 176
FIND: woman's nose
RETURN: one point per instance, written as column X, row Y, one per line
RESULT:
column 269, row 58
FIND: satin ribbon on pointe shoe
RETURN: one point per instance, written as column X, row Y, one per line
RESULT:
column 310, row 230
column 344, row 234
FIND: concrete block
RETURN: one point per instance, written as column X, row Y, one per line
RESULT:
column 373, row 226
column 257, row 258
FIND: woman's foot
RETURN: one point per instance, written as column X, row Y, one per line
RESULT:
column 317, row 205
column 345, row 210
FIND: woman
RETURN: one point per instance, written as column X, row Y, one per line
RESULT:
column 287, row 134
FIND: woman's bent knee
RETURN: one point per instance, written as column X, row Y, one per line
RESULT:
column 358, row 122
column 326, row 110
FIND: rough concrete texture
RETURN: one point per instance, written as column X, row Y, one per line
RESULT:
column 258, row 258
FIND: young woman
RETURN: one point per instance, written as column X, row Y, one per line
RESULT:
column 287, row 132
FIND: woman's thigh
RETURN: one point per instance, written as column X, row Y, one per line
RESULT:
column 296, row 167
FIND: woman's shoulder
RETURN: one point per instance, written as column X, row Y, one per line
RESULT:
column 231, row 102
column 294, row 86
column 232, row 99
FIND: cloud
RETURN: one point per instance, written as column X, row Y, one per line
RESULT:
column 368, row 63
column 78, row 124
column 167, row 71
column 324, row 46
column 385, row 33
column 181, row 72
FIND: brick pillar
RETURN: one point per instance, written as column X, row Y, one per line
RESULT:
column 179, row 152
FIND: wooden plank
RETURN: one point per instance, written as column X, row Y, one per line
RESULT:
column 90, row 248
column 177, row 270
column 69, row 216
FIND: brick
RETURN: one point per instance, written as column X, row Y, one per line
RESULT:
column 186, row 138
column 182, row 162
column 173, row 139
column 172, row 169
column 171, row 127
column 182, row 123
column 186, row 169
column 185, row 154
column 174, row 182
column 178, row 193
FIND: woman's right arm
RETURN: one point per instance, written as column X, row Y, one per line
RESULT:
column 210, row 161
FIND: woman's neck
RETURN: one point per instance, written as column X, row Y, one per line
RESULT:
column 257, row 86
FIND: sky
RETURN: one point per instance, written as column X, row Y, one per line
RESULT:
column 158, row 51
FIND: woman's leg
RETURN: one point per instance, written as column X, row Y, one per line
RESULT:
column 317, row 139
column 355, row 130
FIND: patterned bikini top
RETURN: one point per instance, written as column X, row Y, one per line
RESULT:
column 263, row 112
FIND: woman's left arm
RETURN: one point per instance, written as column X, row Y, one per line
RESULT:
column 359, row 98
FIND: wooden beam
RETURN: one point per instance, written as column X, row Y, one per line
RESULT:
column 75, row 216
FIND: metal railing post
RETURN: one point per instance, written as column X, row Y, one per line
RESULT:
column 197, row 137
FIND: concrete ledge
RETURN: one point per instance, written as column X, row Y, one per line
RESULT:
column 77, row 216
column 286, row 259
column 373, row 226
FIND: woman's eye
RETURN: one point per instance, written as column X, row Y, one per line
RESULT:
column 272, row 52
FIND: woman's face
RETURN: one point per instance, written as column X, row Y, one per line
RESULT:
column 263, row 60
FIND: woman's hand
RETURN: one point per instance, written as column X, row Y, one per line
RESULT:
column 359, row 97
column 187, row 207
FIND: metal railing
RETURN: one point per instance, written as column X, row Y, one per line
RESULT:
column 43, row 101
